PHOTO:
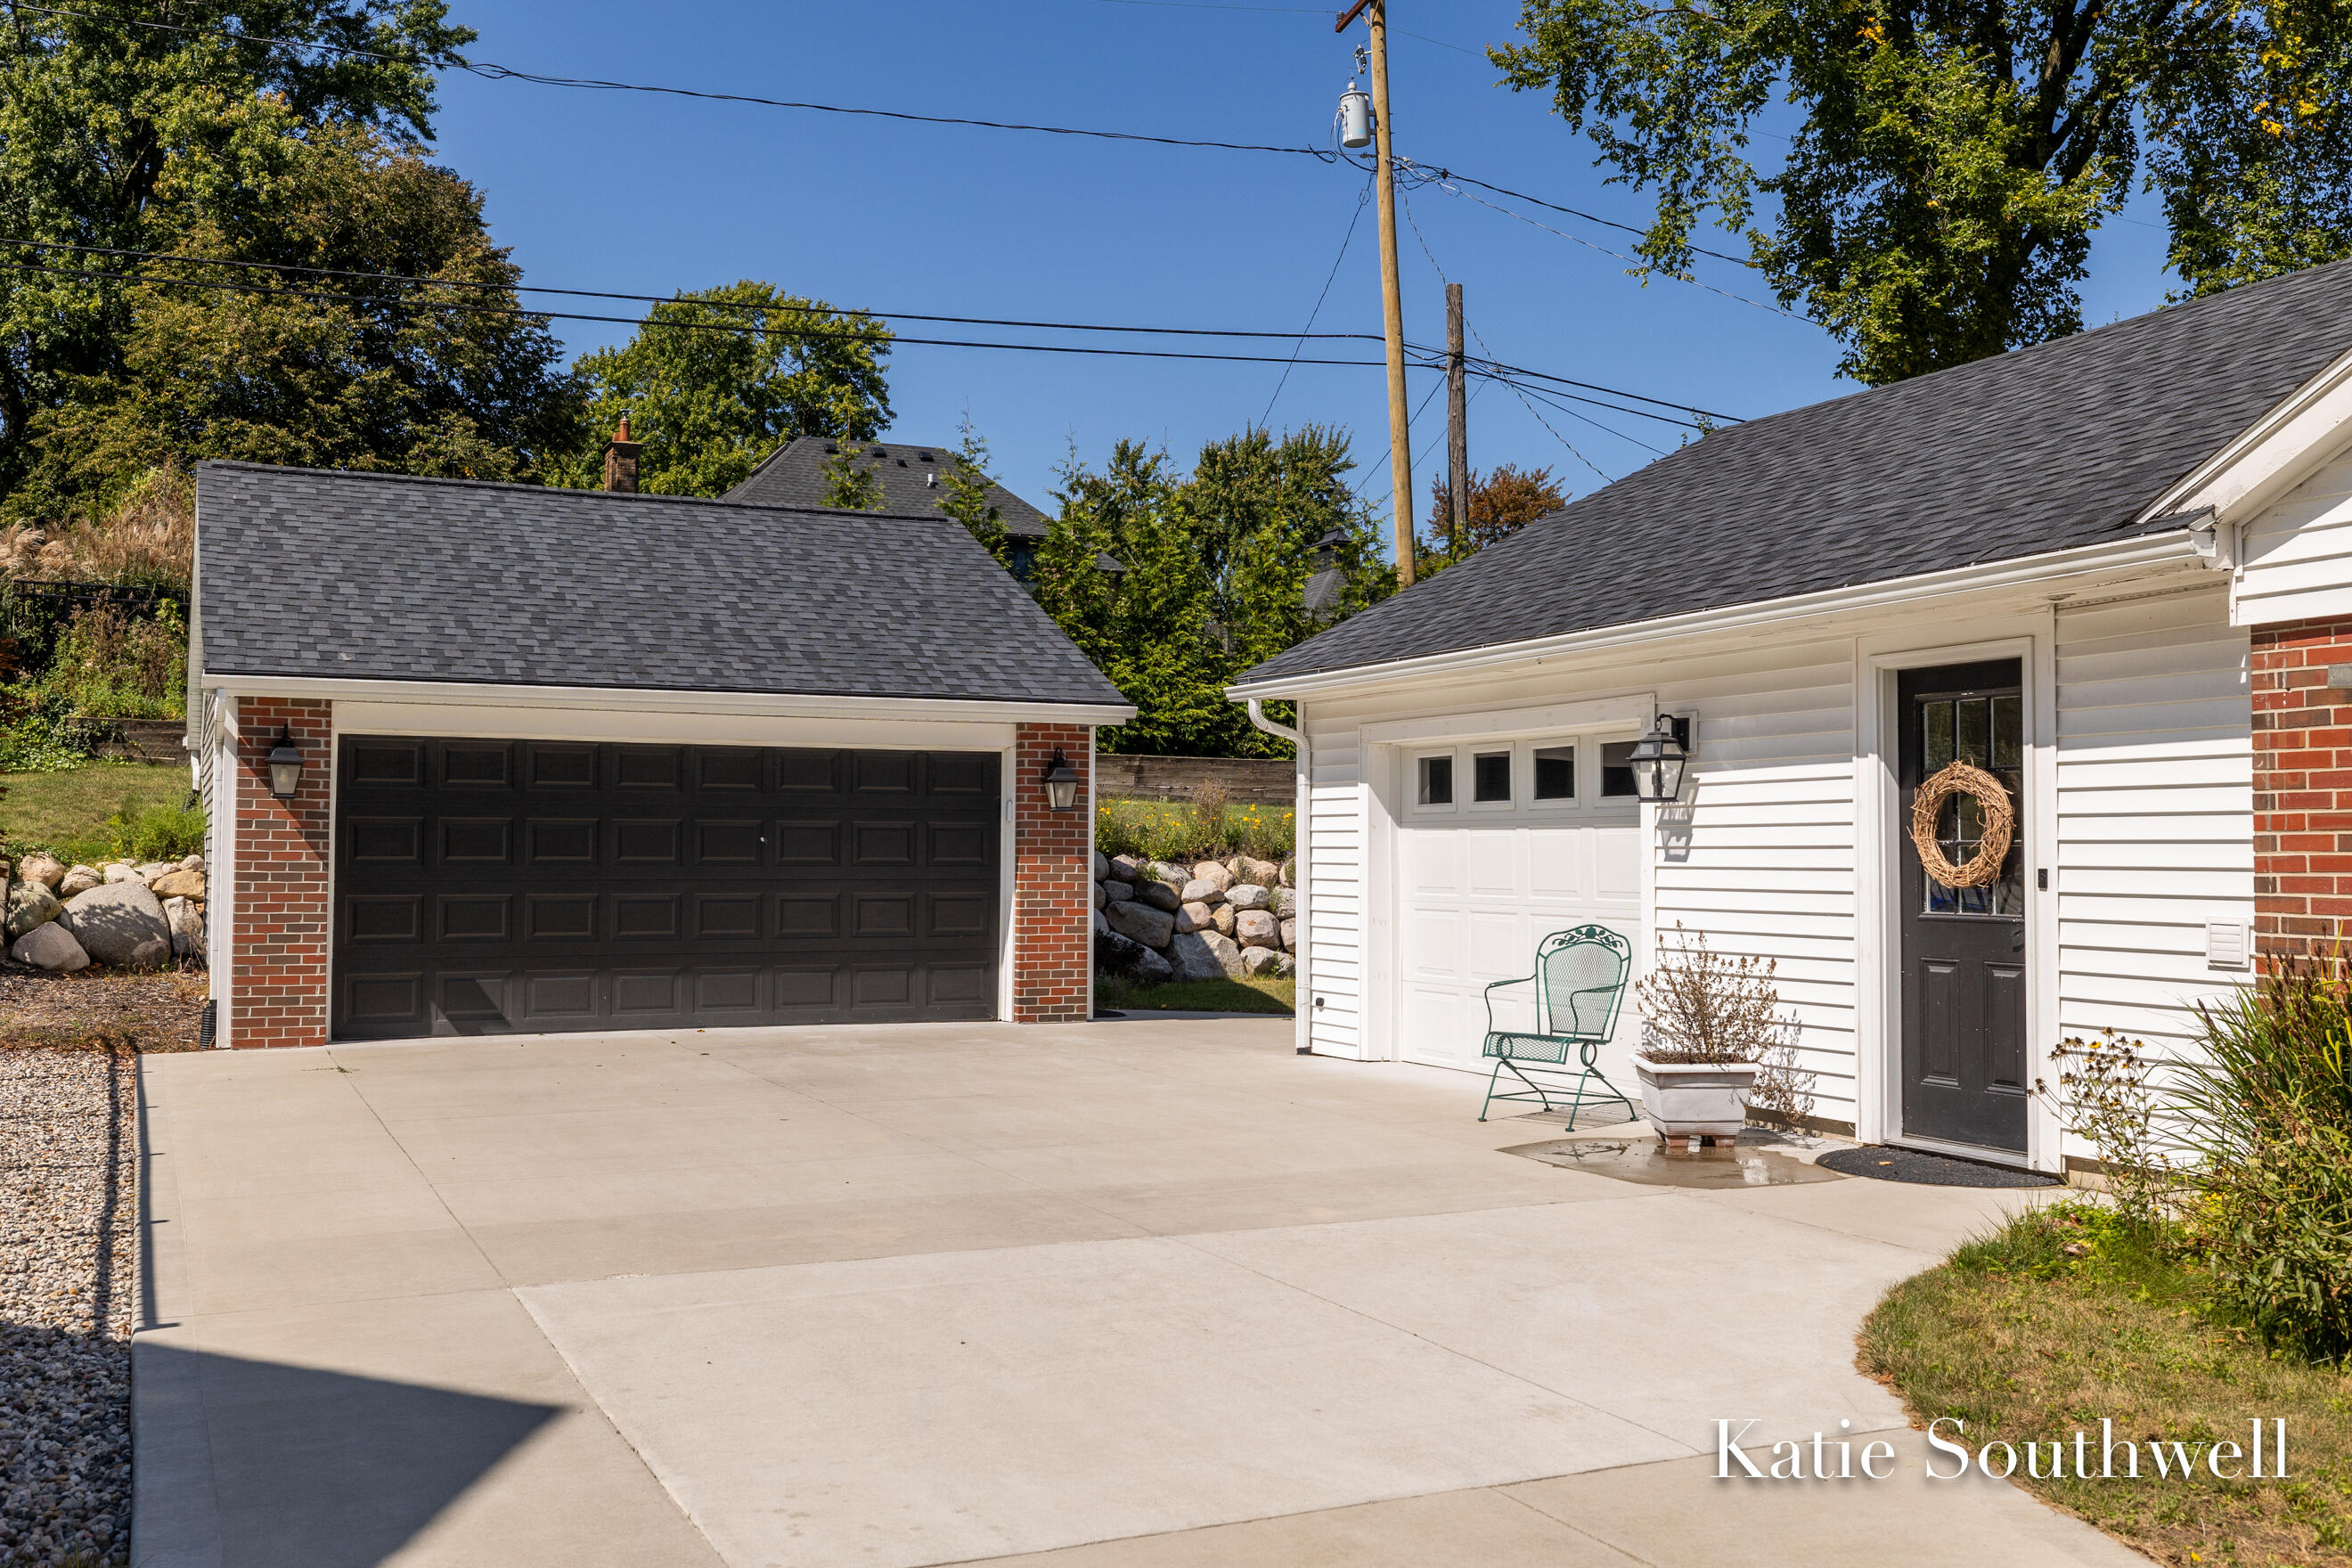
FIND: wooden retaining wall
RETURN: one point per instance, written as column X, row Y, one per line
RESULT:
column 1247, row 781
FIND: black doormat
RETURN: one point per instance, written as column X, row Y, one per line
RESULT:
column 1885, row 1163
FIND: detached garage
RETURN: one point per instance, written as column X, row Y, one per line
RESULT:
column 495, row 758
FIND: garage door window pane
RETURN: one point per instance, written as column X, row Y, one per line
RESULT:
column 1617, row 768
column 1437, row 780
column 1490, row 776
column 1555, row 773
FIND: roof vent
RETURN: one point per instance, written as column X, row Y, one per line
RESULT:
column 924, row 456
column 830, row 449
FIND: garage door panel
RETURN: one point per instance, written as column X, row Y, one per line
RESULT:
column 542, row 886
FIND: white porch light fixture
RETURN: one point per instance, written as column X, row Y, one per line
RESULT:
column 285, row 765
column 1061, row 781
column 1657, row 761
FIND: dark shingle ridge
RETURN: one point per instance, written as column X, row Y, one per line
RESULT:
column 339, row 575
column 2045, row 448
column 794, row 475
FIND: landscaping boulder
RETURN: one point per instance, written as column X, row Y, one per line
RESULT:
column 45, row 869
column 1161, row 871
column 1264, row 961
column 1257, row 928
column 1222, row 918
column 1126, row 869
column 1290, row 872
column 1249, row 896
column 1116, row 892
column 1159, row 895
column 1201, row 891
column 1228, row 956
column 1115, row 954
column 1285, row 901
column 1102, row 898
column 1102, row 926
column 186, row 919
column 118, row 872
column 50, row 946
column 1136, row 919
column 1102, row 865
column 1290, row 936
column 1150, row 969
column 1214, row 871
column 1264, row 873
column 192, row 863
column 122, row 923
column 1193, row 917
column 178, row 884
column 30, row 906
column 1193, row 959
column 80, row 880
column 154, row 868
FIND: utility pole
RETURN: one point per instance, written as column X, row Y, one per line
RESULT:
column 1376, row 16
column 1457, row 422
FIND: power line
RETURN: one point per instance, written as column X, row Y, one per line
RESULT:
column 1485, row 367
column 492, row 72
column 1346, row 239
column 656, row 298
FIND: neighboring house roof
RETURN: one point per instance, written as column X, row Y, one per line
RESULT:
column 2046, row 449
column 914, row 480
column 384, row 578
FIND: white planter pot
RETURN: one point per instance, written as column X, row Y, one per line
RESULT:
column 1683, row 1099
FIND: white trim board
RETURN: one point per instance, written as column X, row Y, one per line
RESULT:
column 472, row 722
column 760, row 704
column 1497, row 723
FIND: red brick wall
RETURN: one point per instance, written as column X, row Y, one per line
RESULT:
column 1053, row 882
column 278, row 912
column 2302, row 789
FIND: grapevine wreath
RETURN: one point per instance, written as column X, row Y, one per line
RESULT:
column 1983, row 869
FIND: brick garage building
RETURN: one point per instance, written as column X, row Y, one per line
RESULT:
column 598, row 761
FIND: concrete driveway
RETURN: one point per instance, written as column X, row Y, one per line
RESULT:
column 1118, row 1293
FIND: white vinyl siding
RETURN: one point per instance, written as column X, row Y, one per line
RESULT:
column 1764, row 863
column 2155, row 811
column 1333, row 834
column 2298, row 551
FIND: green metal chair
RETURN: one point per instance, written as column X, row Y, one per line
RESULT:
column 1579, row 985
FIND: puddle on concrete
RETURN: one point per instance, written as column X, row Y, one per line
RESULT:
column 1647, row 1161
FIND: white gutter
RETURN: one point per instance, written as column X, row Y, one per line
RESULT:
column 2156, row 551
column 761, row 704
column 1302, row 1012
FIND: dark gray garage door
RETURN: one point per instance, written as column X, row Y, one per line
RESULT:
column 485, row 886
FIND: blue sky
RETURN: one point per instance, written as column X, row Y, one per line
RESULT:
column 650, row 194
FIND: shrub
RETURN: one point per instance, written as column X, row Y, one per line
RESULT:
column 1700, row 1005
column 2269, row 1108
column 2107, row 1094
column 1186, row 831
column 108, row 663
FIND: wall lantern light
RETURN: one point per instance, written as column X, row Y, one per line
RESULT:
column 285, row 765
column 1061, row 782
column 1657, row 761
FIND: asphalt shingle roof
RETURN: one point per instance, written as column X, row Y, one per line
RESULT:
column 794, row 475
column 385, row 577
column 2050, row 447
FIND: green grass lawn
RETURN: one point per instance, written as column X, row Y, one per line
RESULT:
column 68, row 813
column 2061, row 1318
column 1248, row 995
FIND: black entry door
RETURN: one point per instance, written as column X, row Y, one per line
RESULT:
column 1964, row 1056
column 485, row 886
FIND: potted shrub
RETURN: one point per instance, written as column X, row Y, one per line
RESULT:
column 1713, row 1043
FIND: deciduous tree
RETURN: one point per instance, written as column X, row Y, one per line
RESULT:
column 1951, row 161
column 708, row 403
column 1503, row 501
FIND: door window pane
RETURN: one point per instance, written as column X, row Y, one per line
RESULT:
column 1555, row 773
column 1972, row 730
column 1437, row 780
column 1490, row 776
column 1617, row 768
column 2008, row 738
column 1985, row 732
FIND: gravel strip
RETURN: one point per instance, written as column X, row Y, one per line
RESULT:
column 68, row 1283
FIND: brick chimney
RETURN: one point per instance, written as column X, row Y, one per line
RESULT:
column 621, row 460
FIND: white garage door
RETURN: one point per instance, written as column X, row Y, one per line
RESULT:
column 1501, row 844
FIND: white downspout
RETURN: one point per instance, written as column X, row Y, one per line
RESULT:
column 1303, row 1009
